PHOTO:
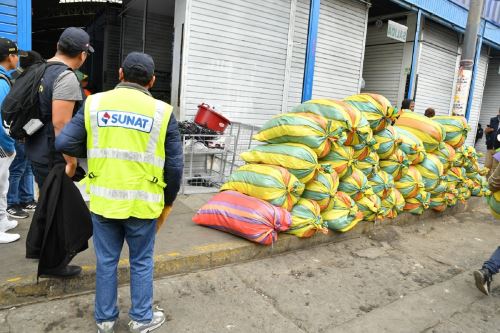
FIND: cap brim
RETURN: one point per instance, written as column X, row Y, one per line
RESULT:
column 90, row 49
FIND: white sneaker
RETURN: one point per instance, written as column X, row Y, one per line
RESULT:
column 6, row 225
column 157, row 321
column 8, row 238
column 106, row 327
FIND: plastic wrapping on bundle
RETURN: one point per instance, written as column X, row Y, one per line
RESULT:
column 396, row 165
column 446, row 155
column 371, row 208
column 341, row 159
column 306, row 219
column 271, row 183
column 308, row 129
column 410, row 184
column 411, row 145
column 369, row 164
column 356, row 185
column 388, row 142
column 419, row 203
column 456, row 129
column 430, row 132
column 432, row 171
column 494, row 203
column 376, row 108
column 322, row 188
column 300, row 160
column 382, row 183
column 344, row 214
column 438, row 202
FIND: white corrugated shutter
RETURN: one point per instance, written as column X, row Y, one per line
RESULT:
column 436, row 68
column 340, row 48
column 491, row 99
column 478, row 96
column 383, row 62
column 236, row 58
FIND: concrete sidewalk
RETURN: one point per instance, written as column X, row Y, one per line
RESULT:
column 181, row 247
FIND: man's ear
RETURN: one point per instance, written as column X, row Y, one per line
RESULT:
column 151, row 83
column 120, row 75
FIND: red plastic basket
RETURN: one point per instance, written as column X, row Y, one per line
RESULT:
column 210, row 119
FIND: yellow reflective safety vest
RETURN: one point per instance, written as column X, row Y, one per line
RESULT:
column 126, row 133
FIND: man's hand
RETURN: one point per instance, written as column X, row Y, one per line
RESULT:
column 488, row 129
column 71, row 164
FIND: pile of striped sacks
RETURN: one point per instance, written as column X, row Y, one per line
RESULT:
column 333, row 163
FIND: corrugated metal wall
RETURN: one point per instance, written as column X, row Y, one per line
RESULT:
column 340, row 48
column 383, row 62
column 8, row 19
column 436, row 68
column 491, row 9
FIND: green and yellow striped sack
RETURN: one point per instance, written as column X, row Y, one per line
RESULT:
column 411, row 145
column 459, row 159
column 375, row 108
column 322, row 188
column 271, row 183
column 389, row 205
column 369, row 164
column 341, row 159
column 299, row 159
column 396, row 165
column 361, row 151
column 419, row 203
column 464, row 193
column 450, row 198
column 388, row 141
column 432, row 171
column 306, row 219
column 371, row 208
column 400, row 201
column 494, row 204
column 441, row 187
column 410, row 184
column 446, row 155
column 356, row 185
column 309, row 129
column 431, row 133
column 438, row 202
column 344, row 214
column 382, row 183
column 456, row 129
column 456, row 175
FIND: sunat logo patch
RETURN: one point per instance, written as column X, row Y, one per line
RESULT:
column 123, row 119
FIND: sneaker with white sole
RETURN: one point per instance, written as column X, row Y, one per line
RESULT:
column 29, row 206
column 17, row 212
column 156, row 322
column 8, row 238
column 6, row 225
column 106, row 327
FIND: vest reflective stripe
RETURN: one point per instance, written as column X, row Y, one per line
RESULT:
column 94, row 105
column 155, row 131
column 127, row 156
column 113, row 194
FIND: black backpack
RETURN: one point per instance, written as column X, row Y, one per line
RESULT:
column 20, row 108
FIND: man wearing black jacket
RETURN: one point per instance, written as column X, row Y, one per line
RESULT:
column 492, row 143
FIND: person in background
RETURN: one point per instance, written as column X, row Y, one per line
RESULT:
column 408, row 104
column 429, row 112
column 8, row 62
column 479, row 133
column 20, row 198
column 84, row 82
column 492, row 143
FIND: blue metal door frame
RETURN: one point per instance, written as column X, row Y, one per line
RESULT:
column 312, row 37
column 477, row 57
column 24, row 24
column 414, row 55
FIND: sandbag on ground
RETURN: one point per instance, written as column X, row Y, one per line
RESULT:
column 344, row 214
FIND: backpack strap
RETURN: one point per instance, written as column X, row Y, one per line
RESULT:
column 6, row 78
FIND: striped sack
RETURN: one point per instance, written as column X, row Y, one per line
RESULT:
column 356, row 185
column 344, row 214
column 429, row 131
column 376, row 108
column 341, row 159
column 410, row 184
column 371, row 208
column 369, row 164
column 419, row 203
column 411, row 145
column 306, row 219
column 388, row 141
column 432, row 171
column 396, row 165
column 322, row 188
column 456, row 129
column 382, row 183
column 494, row 204
column 446, row 155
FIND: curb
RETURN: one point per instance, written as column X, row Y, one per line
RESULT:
column 26, row 290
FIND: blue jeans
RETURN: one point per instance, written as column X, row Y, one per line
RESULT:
column 493, row 264
column 109, row 235
column 20, row 178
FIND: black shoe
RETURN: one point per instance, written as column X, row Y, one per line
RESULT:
column 29, row 206
column 483, row 280
column 17, row 212
column 65, row 272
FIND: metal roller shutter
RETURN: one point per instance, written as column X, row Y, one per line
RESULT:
column 8, row 19
column 340, row 48
column 236, row 58
column 436, row 69
column 382, row 63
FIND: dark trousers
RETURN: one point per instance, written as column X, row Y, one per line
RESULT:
column 493, row 264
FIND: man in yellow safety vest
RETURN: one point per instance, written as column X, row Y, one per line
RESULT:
column 134, row 153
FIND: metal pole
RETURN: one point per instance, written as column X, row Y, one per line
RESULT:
column 312, row 37
column 467, row 60
column 474, row 71
column 414, row 56
column 144, row 21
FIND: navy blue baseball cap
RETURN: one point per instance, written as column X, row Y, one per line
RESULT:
column 75, row 39
column 7, row 47
column 141, row 64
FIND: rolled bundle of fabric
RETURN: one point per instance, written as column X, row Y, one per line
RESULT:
column 322, row 188
column 456, row 129
column 376, row 108
column 438, row 202
column 299, row 159
column 494, row 204
column 411, row 145
column 382, row 183
column 371, row 208
column 388, row 141
column 446, row 155
column 369, row 164
column 356, row 185
column 396, row 165
column 410, row 184
column 341, row 159
column 271, row 183
column 344, row 214
column 306, row 219
column 308, row 129
column 432, row 171
column 389, row 205
column 430, row 132
column 419, row 203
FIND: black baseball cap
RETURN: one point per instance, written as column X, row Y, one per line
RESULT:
column 141, row 64
column 7, row 47
column 75, row 39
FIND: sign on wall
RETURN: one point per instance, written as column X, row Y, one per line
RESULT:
column 396, row 31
